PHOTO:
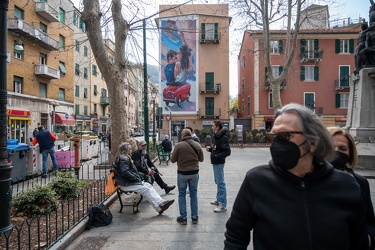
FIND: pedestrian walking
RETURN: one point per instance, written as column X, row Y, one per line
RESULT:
column 35, row 132
column 346, row 160
column 187, row 154
column 298, row 200
column 219, row 151
column 46, row 140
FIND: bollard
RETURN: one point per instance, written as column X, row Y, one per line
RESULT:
column 77, row 166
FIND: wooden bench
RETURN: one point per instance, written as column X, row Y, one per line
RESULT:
column 162, row 155
column 123, row 204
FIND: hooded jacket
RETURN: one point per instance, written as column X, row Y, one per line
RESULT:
column 220, row 147
column 322, row 210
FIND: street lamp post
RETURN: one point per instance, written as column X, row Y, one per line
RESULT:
column 5, row 167
column 153, row 96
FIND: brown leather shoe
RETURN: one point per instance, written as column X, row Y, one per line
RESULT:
column 165, row 205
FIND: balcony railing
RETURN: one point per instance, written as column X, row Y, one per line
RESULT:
column 104, row 100
column 342, row 84
column 209, row 113
column 204, row 88
column 46, row 11
column 47, row 72
column 27, row 31
column 311, row 56
column 210, row 37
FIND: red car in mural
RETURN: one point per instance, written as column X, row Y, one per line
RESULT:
column 176, row 94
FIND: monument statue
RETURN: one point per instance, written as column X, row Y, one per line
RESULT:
column 359, row 56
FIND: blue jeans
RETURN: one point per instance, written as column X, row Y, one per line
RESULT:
column 221, row 195
column 45, row 153
column 183, row 181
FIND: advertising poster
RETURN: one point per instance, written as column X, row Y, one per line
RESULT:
column 178, row 65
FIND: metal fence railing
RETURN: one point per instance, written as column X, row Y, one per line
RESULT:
column 44, row 230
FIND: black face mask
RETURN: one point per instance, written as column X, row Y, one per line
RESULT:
column 340, row 160
column 285, row 154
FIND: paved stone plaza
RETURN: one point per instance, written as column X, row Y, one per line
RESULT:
column 147, row 230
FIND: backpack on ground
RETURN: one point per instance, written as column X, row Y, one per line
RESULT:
column 99, row 216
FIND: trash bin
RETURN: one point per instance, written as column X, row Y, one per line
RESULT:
column 65, row 158
column 95, row 148
column 34, row 160
column 17, row 158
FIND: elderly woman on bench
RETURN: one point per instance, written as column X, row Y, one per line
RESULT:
column 128, row 179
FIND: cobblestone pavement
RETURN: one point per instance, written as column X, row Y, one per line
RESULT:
column 147, row 230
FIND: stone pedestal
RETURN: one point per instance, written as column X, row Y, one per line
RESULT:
column 361, row 116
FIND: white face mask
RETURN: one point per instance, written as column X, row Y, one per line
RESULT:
column 144, row 151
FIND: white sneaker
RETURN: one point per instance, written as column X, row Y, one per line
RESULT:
column 215, row 203
column 220, row 209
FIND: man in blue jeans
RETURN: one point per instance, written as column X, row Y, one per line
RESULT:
column 219, row 151
column 187, row 154
column 46, row 142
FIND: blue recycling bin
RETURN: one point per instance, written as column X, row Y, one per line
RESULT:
column 17, row 158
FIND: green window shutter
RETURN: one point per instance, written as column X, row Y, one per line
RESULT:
column 281, row 69
column 302, row 44
column 16, row 50
column 281, row 47
column 62, row 68
column 75, row 18
column 337, row 100
column 337, row 46
column 316, row 73
column 351, row 46
column 344, row 76
column 85, row 93
column 76, row 111
column 77, row 91
column 216, row 34
column 302, row 73
column 95, row 90
column 203, row 34
column 316, row 48
column 77, row 69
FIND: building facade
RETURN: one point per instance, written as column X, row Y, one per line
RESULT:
column 319, row 76
column 195, row 95
column 40, row 68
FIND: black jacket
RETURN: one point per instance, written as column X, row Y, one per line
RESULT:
column 167, row 145
column 323, row 210
column 142, row 166
column 366, row 195
column 220, row 147
column 126, row 173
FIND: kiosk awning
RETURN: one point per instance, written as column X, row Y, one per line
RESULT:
column 60, row 119
column 20, row 119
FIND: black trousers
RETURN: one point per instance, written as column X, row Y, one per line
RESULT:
column 160, row 181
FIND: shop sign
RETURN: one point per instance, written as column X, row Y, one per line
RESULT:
column 18, row 112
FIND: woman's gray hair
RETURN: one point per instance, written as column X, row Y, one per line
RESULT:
column 123, row 149
column 313, row 130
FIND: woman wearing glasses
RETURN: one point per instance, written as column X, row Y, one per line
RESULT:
column 346, row 160
column 298, row 201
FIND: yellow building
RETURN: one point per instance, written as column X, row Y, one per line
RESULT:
column 40, row 66
column 194, row 66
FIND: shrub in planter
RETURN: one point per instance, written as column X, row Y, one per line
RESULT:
column 35, row 200
column 65, row 184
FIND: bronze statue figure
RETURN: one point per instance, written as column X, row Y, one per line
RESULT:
column 359, row 57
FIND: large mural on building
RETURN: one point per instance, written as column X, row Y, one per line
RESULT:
column 178, row 65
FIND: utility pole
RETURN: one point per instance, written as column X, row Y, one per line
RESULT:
column 145, row 81
column 5, row 168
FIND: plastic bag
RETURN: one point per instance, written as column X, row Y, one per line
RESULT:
column 110, row 188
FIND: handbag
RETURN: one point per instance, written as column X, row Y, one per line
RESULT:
column 110, row 188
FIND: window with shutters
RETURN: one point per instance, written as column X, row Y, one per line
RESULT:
column 18, row 13
column 62, row 15
column 85, row 49
column 18, row 84
column 248, row 105
column 276, row 47
column 76, row 109
column 62, row 41
column 344, row 46
column 61, row 94
column 43, row 90
column 309, row 100
column 76, row 70
column 18, row 53
column 210, row 32
column 342, row 100
column 76, row 92
column 309, row 73
column 77, row 45
column 85, row 93
column 270, row 102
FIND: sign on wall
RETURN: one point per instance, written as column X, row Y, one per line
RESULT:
column 178, row 68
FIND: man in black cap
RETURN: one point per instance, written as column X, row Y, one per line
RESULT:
column 144, row 165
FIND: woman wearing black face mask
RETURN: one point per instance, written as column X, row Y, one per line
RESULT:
column 346, row 160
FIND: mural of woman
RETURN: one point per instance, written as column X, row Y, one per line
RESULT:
column 183, row 65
